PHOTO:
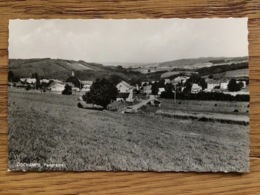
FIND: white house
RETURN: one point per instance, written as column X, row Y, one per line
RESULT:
column 211, row 84
column 167, row 81
column 86, row 86
column 28, row 80
column 180, row 79
column 44, row 81
column 147, row 89
column 125, row 91
column 123, row 87
column 224, row 84
column 57, row 87
column 195, row 88
column 161, row 90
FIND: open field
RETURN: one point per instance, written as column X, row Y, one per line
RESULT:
column 49, row 128
column 231, row 73
column 224, row 107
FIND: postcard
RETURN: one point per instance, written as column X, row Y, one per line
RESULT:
column 128, row 95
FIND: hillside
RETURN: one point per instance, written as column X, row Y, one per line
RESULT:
column 195, row 63
column 62, row 69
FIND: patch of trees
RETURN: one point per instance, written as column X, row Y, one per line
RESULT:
column 221, row 68
column 38, row 83
column 207, row 96
column 102, row 92
column 75, row 81
column 115, row 79
column 12, row 77
column 234, row 86
column 67, row 90
column 159, row 84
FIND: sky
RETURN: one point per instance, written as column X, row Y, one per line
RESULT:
column 128, row 40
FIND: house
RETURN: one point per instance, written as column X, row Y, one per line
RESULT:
column 161, row 90
column 211, row 84
column 44, row 81
column 125, row 91
column 123, row 87
column 86, row 86
column 86, row 83
column 125, row 96
column 181, row 79
column 195, row 88
column 147, row 89
column 224, row 84
column 23, row 80
column 28, row 80
column 56, row 87
column 167, row 81
column 20, row 84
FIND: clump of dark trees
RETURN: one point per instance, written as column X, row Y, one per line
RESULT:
column 67, row 90
column 102, row 92
column 214, row 96
column 221, row 68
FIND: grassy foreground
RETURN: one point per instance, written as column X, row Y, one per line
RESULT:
column 48, row 129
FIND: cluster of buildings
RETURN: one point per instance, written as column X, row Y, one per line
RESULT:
column 53, row 85
column 126, row 91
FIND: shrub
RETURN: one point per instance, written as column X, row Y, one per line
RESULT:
column 102, row 92
column 28, row 87
column 234, row 86
column 67, row 90
column 214, row 96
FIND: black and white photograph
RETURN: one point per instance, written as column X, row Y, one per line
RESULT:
column 128, row 95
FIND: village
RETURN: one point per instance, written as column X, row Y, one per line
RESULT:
column 127, row 92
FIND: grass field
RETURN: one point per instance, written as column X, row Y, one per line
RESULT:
column 51, row 129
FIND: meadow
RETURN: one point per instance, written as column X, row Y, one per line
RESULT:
column 47, row 128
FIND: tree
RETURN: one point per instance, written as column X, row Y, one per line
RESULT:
column 168, row 88
column 135, row 81
column 10, row 76
column 233, row 85
column 194, row 78
column 102, row 92
column 203, row 83
column 115, row 79
column 210, row 76
column 75, row 81
column 155, row 88
column 38, row 83
column 67, row 90
column 161, row 83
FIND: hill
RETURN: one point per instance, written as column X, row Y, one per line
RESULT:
column 62, row 69
column 191, row 64
column 195, row 63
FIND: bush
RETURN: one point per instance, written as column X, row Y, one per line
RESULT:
column 234, row 86
column 102, row 92
column 67, row 90
column 214, row 96
column 28, row 87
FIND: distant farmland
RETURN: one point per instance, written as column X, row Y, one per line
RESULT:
column 232, row 73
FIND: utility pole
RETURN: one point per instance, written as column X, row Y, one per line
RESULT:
column 175, row 84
